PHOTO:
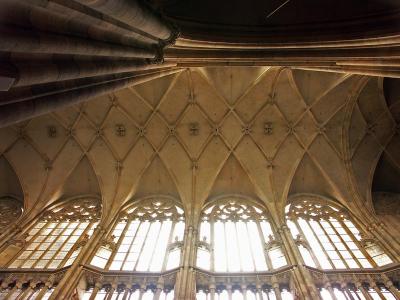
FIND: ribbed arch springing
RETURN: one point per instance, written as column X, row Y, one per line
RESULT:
column 236, row 236
column 328, row 238
column 147, row 237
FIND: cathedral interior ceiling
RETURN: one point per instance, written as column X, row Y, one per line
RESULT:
column 267, row 133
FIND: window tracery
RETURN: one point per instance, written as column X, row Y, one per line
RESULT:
column 10, row 210
column 235, row 236
column 58, row 235
column 327, row 237
column 147, row 237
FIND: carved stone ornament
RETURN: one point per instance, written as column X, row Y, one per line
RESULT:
column 120, row 130
column 234, row 210
column 314, row 210
column 52, row 131
column 152, row 209
column 109, row 242
column 194, row 128
column 19, row 241
column 73, row 210
column 10, row 211
column 268, row 129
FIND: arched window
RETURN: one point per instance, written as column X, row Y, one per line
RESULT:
column 56, row 239
column 147, row 237
column 328, row 238
column 235, row 236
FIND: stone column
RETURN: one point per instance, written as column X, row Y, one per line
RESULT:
column 142, row 290
column 328, row 286
column 185, row 282
column 389, row 285
column 345, row 290
column 160, row 286
column 18, row 285
column 134, row 14
column 96, row 289
column 277, row 290
column 229, row 290
column 111, row 291
column 244, row 291
column 212, row 289
column 70, row 280
column 302, row 277
column 126, row 293
column 259, row 291
column 359, row 286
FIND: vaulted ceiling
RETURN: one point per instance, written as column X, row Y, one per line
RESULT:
column 265, row 133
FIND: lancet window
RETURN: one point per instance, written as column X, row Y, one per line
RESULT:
column 328, row 238
column 147, row 237
column 56, row 238
column 236, row 236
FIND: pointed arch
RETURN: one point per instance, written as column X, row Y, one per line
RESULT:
column 146, row 236
column 156, row 180
column 233, row 179
column 236, row 235
column 58, row 234
column 11, row 195
column 330, row 235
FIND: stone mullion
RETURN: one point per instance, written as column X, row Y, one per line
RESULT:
column 67, row 284
column 333, row 244
column 316, row 261
column 266, row 254
column 357, row 242
column 51, row 243
column 73, row 249
column 301, row 275
column 144, row 243
column 155, row 245
column 32, row 239
column 344, row 243
column 320, row 244
column 170, row 241
column 212, row 244
column 120, row 239
column 387, row 242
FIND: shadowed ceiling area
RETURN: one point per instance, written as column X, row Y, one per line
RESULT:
column 267, row 133
column 255, row 12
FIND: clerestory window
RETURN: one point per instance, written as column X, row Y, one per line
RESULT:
column 328, row 238
column 236, row 236
column 58, row 235
column 147, row 237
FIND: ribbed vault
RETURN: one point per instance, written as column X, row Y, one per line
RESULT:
column 202, row 132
